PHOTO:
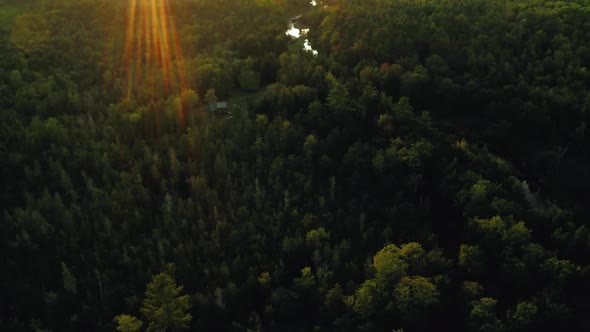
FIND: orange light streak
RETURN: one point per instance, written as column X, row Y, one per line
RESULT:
column 129, row 43
column 139, row 50
column 180, row 65
column 153, row 61
column 155, row 26
column 164, row 47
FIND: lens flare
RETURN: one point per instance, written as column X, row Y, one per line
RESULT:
column 153, row 67
column 153, row 59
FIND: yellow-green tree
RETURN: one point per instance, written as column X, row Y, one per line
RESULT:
column 128, row 323
column 163, row 306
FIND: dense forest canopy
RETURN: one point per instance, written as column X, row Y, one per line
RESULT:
column 426, row 169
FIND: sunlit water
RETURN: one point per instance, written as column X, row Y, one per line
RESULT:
column 298, row 33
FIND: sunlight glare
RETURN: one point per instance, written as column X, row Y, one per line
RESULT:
column 153, row 59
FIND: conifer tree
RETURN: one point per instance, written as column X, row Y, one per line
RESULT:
column 163, row 307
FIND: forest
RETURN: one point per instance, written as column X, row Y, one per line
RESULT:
column 187, row 165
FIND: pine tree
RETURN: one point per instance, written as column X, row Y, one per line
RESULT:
column 70, row 284
column 163, row 307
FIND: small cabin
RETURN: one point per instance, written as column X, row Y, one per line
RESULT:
column 220, row 106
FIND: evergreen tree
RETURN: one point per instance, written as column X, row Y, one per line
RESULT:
column 163, row 306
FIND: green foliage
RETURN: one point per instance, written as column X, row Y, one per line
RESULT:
column 127, row 323
column 411, row 296
column 482, row 316
column 249, row 80
column 220, row 166
column 471, row 259
column 338, row 97
column 69, row 280
column 414, row 295
column 310, row 143
column 307, row 279
column 315, row 237
column 163, row 307
column 389, row 267
column 264, row 279
column 524, row 315
column 365, row 303
column 416, row 124
column 210, row 96
column 472, row 290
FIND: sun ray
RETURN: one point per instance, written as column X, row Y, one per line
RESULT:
column 139, row 52
column 129, row 44
column 164, row 50
column 157, row 42
column 153, row 59
column 180, row 65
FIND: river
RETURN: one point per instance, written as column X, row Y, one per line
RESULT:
column 296, row 33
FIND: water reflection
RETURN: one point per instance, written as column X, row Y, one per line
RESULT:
column 297, row 33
